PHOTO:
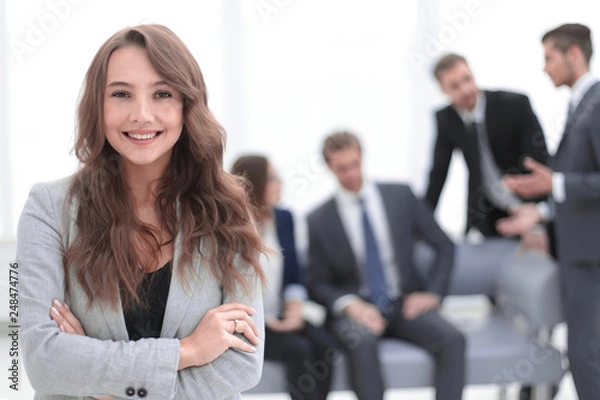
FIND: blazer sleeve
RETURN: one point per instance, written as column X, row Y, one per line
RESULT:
column 427, row 228
column 442, row 154
column 90, row 366
column 234, row 371
column 287, row 241
column 585, row 186
column 321, row 277
column 293, row 279
column 532, row 140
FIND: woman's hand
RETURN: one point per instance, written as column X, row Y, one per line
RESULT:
column 215, row 334
column 64, row 318
column 291, row 321
column 68, row 323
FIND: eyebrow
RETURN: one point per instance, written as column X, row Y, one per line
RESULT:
column 120, row 83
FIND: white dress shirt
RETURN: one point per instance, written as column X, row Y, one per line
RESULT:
column 477, row 114
column 272, row 265
column 350, row 213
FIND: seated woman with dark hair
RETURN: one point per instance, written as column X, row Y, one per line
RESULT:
column 289, row 338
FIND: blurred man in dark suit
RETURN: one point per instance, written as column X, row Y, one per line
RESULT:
column 573, row 184
column 494, row 130
column 361, row 269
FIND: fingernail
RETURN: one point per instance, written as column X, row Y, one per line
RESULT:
column 57, row 303
column 54, row 311
column 62, row 328
column 253, row 310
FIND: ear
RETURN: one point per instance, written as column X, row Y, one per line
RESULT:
column 574, row 53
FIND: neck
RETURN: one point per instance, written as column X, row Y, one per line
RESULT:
column 142, row 181
column 577, row 75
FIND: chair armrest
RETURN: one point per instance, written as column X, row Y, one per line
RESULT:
column 476, row 265
column 528, row 286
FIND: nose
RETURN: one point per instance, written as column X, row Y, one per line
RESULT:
column 141, row 111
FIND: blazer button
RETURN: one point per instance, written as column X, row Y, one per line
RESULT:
column 130, row 391
column 142, row 392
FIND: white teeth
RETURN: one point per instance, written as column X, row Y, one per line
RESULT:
column 141, row 137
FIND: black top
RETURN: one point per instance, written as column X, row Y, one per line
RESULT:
column 145, row 319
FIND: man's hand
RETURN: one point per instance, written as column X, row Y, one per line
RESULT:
column 522, row 219
column 292, row 319
column 535, row 184
column 418, row 303
column 367, row 315
column 536, row 239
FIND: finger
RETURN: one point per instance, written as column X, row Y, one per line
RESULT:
column 62, row 324
column 377, row 329
column 227, row 318
column 529, row 163
column 373, row 324
column 411, row 307
column 533, row 165
column 520, row 182
column 245, row 329
column 416, row 309
column 235, row 306
column 509, row 228
column 237, row 343
column 57, row 316
column 70, row 319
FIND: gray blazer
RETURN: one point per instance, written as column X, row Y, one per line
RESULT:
column 333, row 269
column 66, row 366
column 578, row 157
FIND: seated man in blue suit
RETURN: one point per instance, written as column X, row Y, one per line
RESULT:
column 361, row 269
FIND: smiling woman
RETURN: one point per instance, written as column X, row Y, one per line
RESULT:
column 113, row 258
column 143, row 113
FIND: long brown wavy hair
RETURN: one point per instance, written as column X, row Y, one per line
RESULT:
column 254, row 168
column 196, row 199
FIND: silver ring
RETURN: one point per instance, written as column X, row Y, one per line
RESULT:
column 235, row 322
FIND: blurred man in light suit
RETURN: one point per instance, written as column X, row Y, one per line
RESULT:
column 573, row 183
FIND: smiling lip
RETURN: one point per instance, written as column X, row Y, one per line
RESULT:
column 141, row 135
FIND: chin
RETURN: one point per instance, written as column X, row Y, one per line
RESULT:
column 354, row 187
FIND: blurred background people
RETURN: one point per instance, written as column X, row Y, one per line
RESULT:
column 494, row 130
column 289, row 338
column 361, row 269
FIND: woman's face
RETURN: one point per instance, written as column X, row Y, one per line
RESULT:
column 273, row 187
column 143, row 115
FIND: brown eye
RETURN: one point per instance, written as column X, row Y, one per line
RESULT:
column 119, row 94
column 163, row 94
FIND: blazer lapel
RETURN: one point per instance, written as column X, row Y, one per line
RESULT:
column 115, row 320
column 113, row 317
column 391, row 208
column 179, row 295
column 343, row 247
column 581, row 107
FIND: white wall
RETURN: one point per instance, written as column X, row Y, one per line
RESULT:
column 51, row 43
column 318, row 66
column 281, row 74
